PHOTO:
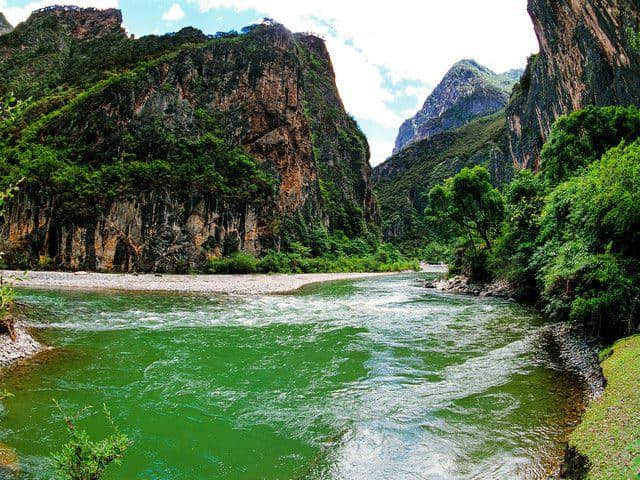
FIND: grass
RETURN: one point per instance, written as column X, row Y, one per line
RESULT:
column 609, row 435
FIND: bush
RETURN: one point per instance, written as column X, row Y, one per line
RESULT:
column 275, row 262
column 236, row 263
column 511, row 257
column 339, row 253
column 589, row 250
column 84, row 459
column 584, row 136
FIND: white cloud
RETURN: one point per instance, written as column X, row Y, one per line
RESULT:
column 380, row 151
column 361, row 85
column 174, row 13
column 416, row 40
column 15, row 15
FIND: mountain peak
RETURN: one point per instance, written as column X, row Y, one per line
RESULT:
column 467, row 91
column 79, row 22
column 470, row 64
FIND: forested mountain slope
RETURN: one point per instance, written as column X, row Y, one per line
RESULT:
column 403, row 181
column 156, row 153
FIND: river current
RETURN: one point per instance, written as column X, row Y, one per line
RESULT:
column 372, row 379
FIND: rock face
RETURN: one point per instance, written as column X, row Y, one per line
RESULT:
column 586, row 58
column 5, row 26
column 80, row 23
column 467, row 91
column 249, row 130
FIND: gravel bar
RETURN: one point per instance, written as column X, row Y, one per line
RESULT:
column 233, row 284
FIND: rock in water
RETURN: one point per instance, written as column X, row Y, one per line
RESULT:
column 24, row 346
column 8, row 460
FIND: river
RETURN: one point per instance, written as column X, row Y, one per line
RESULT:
column 370, row 379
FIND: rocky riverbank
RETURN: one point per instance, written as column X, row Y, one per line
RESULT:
column 578, row 354
column 572, row 348
column 574, row 352
column 19, row 348
column 460, row 284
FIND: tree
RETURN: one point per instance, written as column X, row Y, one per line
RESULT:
column 524, row 198
column 581, row 138
column 470, row 205
column 589, row 250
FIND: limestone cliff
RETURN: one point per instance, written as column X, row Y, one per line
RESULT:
column 167, row 150
column 586, row 58
column 467, row 91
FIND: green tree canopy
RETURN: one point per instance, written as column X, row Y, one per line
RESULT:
column 469, row 204
column 584, row 136
column 590, row 245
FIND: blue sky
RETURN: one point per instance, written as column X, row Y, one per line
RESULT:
column 387, row 55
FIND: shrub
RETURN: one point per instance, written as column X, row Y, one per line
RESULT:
column 236, row 263
column 84, row 459
column 511, row 257
column 275, row 262
column 589, row 250
column 342, row 255
column 584, row 136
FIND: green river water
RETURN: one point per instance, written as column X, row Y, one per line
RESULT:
column 371, row 379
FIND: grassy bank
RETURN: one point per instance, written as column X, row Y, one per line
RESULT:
column 609, row 435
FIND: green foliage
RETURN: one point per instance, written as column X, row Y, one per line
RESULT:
column 469, row 205
column 634, row 39
column 4, row 394
column 236, row 263
column 202, row 165
column 589, row 245
column 510, row 259
column 467, row 210
column 571, row 235
column 340, row 254
column 584, row 136
column 11, row 108
column 7, row 291
column 84, row 459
